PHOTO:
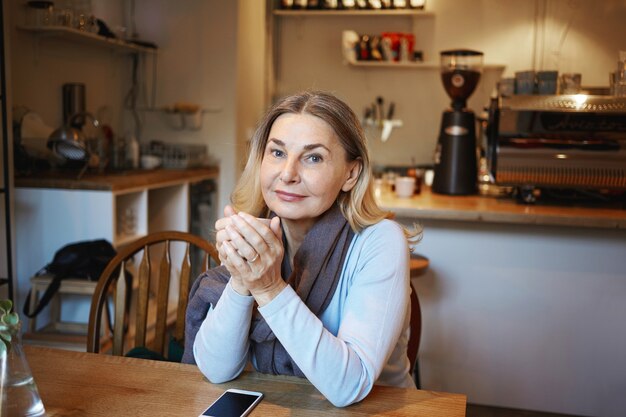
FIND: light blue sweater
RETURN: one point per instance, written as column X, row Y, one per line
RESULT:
column 359, row 340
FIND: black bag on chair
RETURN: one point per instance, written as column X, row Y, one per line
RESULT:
column 85, row 260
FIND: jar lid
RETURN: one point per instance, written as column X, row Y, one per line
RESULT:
column 39, row 4
column 461, row 52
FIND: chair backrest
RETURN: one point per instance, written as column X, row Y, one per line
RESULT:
column 416, row 328
column 114, row 281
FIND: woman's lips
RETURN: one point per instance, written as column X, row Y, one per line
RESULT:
column 285, row 196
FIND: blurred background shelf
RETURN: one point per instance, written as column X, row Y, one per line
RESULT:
column 75, row 35
column 411, row 65
column 302, row 13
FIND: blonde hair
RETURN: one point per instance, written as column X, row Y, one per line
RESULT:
column 357, row 205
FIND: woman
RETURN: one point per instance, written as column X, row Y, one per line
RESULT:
column 307, row 243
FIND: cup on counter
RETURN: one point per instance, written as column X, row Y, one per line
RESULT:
column 525, row 82
column 506, row 87
column 405, row 187
column 150, row 161
column 570, row 83
column 547, row 82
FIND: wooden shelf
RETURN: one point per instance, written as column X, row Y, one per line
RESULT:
column 387, row 65
column 75, row 35
column 411, row 65
column 399, row 12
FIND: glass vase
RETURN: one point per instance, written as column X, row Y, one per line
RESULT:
column 18, row 390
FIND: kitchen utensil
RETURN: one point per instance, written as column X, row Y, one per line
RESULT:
column 70, row 144
column 390, row 111
column 388, row 126
column 380, row 114
column 74, row 104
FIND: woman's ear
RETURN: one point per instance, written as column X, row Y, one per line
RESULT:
column 353, row 175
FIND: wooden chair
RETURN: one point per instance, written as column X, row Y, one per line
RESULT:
column 416, row 331
column 113, row 281
column 418, row 265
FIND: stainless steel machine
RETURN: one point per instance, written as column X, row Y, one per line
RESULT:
column 574, row 142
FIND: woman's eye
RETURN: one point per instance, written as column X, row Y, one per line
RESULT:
column 315, row 158
column 277, row 153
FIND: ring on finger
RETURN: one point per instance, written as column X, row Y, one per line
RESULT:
column 253, row 259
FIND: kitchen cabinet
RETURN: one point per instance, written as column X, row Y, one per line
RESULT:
column 526, row 299
column 54, row 210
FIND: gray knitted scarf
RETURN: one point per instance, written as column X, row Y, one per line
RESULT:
column 317, row 267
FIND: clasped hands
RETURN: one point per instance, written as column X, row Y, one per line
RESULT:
column 252, row 251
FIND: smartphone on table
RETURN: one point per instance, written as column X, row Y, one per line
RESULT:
column 233, row 403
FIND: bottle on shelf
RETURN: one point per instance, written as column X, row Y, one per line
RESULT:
column 132, row 152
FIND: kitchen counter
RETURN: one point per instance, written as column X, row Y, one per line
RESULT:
column 526, row 299
column 122, row 181
column 475, row 208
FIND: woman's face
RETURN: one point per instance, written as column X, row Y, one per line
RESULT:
column 304, row 168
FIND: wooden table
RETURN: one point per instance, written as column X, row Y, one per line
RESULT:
column 86, row 384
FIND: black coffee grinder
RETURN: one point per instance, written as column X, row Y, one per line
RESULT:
column 455, row 156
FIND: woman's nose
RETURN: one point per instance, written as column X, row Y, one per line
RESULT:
column 289, row 171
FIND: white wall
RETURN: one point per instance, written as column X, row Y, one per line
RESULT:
column 507, row 31
column 40, row 66
column 526, row 317
column 252, row 85
column 197, row 63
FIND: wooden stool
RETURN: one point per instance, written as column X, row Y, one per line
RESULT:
column 68, row 286
column 418, row 265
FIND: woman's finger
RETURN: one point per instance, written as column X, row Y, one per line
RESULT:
column 250, row 233
column 229, row 210
column 275, row 227
column 262, row 229
column 243, row 247
column 234, row 259
column 221, row 224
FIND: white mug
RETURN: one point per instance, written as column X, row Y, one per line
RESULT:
column 405, row 186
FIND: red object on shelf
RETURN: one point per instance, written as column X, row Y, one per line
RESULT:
column 396, row 39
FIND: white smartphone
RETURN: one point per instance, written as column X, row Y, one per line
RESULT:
column 233, row 403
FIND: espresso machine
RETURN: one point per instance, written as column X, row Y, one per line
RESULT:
column 455, row 156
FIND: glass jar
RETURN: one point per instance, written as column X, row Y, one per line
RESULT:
column 39, row 13
column 20, row 397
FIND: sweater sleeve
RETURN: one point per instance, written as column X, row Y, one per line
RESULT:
column 345, row 367
column 221, row 346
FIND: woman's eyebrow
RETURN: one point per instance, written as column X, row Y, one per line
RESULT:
column 306, row 147
column 315, row 145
